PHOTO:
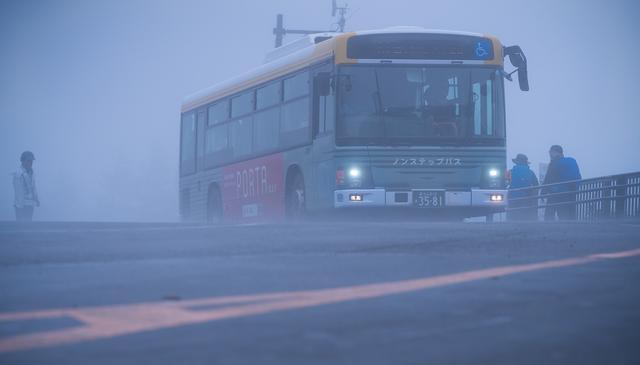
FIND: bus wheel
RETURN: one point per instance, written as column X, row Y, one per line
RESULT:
column 296, row 198
column 214, row 205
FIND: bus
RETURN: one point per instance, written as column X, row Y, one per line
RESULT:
column 404, row 119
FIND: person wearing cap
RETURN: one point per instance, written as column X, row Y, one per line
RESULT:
column 24, row 186
column 522, row 177
column 561, row 169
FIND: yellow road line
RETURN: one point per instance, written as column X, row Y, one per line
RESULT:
column 118, row 320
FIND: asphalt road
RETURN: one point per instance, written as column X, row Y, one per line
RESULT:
column 320, row 293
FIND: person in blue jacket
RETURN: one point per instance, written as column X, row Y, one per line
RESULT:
column 522, row 177
column 561, row 169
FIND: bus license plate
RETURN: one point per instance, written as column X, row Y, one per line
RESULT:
column 428, row 199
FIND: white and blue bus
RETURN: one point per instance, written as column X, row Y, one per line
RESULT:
column 396, row 119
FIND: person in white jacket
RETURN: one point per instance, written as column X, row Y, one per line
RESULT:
column 24, row 186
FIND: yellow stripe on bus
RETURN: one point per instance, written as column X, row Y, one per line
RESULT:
column 497, row 51
column 336, row 46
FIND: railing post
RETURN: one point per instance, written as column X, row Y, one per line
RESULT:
column 607, row 198
column 620, row 199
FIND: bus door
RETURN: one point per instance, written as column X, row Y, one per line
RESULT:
column 323, row 126
column 200, row 126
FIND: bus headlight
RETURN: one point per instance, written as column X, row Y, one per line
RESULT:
column 353, row 177
column 493, row 178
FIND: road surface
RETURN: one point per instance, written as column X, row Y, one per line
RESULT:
column 320, row 293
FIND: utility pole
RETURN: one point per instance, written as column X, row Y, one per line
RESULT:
column 343, row 11
column 279, row 31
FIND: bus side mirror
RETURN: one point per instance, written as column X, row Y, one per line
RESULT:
column 323, row 84
column 519, row 61
column 523, row 78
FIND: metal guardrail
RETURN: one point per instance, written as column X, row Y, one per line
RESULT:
column 606, row 197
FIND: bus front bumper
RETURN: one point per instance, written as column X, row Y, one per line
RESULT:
column 482, row 198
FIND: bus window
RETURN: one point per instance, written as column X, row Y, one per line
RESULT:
column 265, row 130
column 240, row 137
column 477, row 110
column 242, row 104
column 188, row 144
column 294, row 123
column 454, row 88
column 218, row 113
column 327, row 111
column 487, row 120
column 216, row 139
column 489, row 107
column 296, row 86
column 419, row 105
column 295, row 115
column 268, row 95
column 497, row 100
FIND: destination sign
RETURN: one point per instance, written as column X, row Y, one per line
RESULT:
column 420, row 46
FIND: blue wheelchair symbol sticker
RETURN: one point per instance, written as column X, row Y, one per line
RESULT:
column 483, row 50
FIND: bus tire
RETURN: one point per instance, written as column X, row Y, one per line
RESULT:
column 214, row 205
column 296, row 197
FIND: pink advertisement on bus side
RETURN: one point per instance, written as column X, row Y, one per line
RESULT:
column 254, row 189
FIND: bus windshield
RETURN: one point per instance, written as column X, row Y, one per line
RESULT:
column 419, row 105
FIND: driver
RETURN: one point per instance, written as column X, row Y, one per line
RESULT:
column 436, row 94
column 439, row 110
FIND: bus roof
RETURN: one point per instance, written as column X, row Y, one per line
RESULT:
column 307, row 51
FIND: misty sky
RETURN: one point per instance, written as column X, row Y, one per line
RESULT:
column 94, row 88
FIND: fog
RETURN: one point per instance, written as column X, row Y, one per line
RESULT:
column 94, row 88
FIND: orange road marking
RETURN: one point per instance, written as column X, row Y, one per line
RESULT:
column 118, row 320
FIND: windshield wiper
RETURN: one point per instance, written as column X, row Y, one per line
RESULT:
column 380, row 107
